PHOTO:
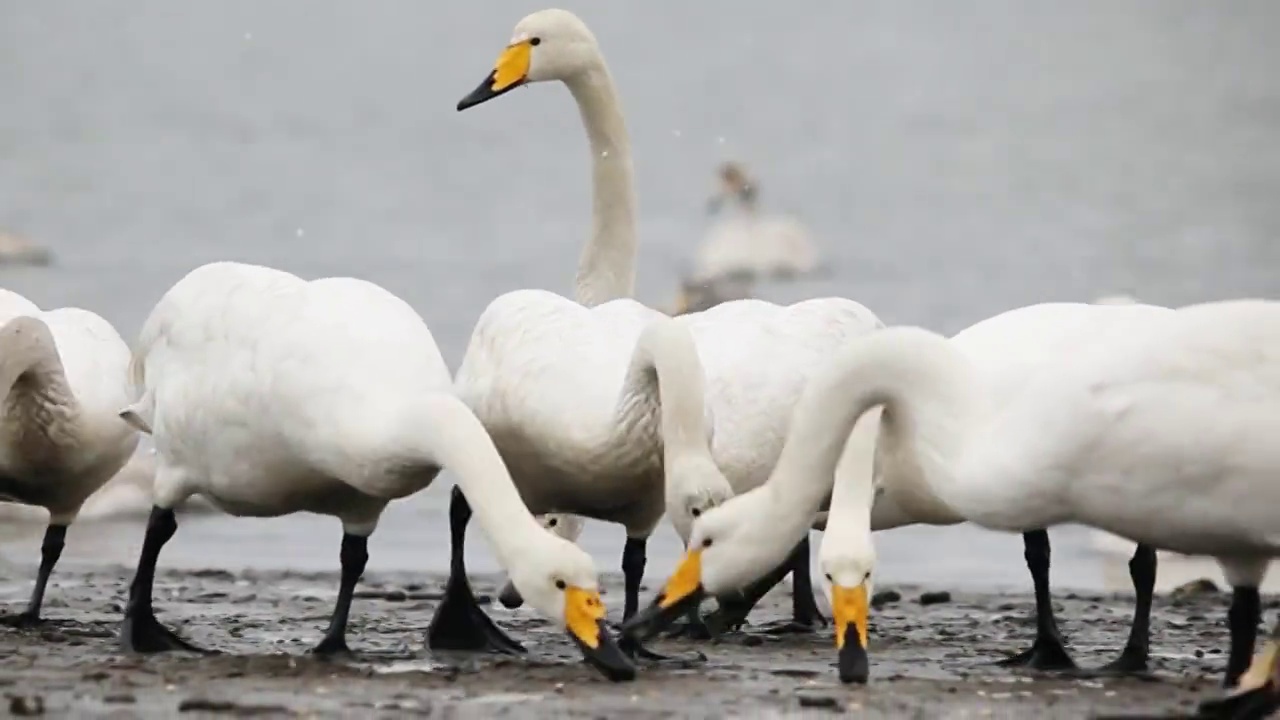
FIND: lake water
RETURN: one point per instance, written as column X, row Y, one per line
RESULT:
column 954, row 160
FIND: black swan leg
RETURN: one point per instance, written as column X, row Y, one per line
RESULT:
column 633, row 563
column 353, row 556
column 1258, row 694
column 805, row 615
column 733, row 610
column 1242, row 619
column 141, row 632
column 1137, row 651
column 50, row 550
column 459, row 623
column 1048, row 651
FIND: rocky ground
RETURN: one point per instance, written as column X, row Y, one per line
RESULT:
column 929, row 659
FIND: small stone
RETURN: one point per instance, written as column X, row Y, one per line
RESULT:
column 818, row 700
column 1199, row 653
column 1200, row 587
column 885, row 597
column 120, row 698
column 934, row 598
column 20, row 706
column 752, row 641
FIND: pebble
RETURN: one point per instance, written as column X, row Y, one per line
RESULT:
column 809, row 699
column 934, row 598
column 26, row 706
column 1202, row 586
column 885, row 597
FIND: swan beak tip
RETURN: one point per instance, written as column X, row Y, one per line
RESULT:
column 850, row 606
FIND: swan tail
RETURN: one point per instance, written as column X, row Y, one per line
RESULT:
column 140, row 414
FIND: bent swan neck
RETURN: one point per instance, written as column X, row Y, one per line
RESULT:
column 459, row 442
column 666, row 360
column 606, row 268
column 923, row 384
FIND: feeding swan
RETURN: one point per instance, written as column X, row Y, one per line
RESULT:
column 63, row 375
column 269, row 395
column 550, row 377
column 1111, row 435
column 1007, row 351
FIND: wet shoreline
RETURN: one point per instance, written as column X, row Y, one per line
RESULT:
column 930, row 660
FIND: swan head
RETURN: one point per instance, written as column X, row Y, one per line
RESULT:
column 734, row 183
column 558, row 579
column 730, row 547
column 546, row 45
column 562, row 525
column 846, row 574
column 694, row 486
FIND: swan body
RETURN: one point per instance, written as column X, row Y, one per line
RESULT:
column 268, row 394
column 561, row 398
column 572, row 408
column 63, row 376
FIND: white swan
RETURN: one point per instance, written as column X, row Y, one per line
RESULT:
column 63, row 376
column 549, row 377
column 269, row 395
column 1007, row 350
column 1115, row 435
column 745, row 242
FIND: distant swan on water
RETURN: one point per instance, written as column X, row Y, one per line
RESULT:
column 744, row 241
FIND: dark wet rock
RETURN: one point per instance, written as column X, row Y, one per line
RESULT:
column 120, row 699
column 212, row 574
column 227, row 706
column 885, row 597
column 26, row 705
column 1195, row 588
column 826, row 700
column 935, row 598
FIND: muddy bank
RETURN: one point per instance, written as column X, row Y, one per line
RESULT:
column 929, row 660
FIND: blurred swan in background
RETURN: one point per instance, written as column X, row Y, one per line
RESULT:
column 16, row 250
column 745, row 242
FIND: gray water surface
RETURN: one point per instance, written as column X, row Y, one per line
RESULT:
column 953, row 159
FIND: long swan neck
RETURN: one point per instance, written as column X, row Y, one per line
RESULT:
column 606, row 269
column 459, row 442
column 666, row 353
column 919, row 379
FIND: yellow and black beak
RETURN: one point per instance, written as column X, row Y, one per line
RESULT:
column 509, row 72
column 584, row 621
column 682, row 592
column 850, row 608
column 1258, row 693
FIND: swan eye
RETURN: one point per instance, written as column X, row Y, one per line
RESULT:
column 695, row 512
column 829, row 578
column 535, row 41
column 560, row 585
column 867, row 576
column 552, row 522
column 706, row 542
